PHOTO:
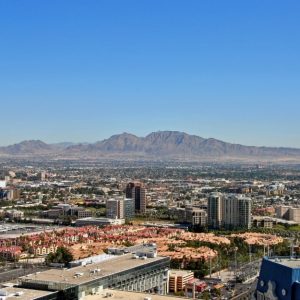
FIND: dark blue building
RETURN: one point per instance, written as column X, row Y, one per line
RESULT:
column 279, row 279
column 3, row 194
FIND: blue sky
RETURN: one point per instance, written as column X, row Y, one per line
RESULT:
column 83, row 70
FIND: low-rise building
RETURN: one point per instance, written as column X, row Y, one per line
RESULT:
column 10, row 253
column 178, row 280
column 121, row 273
column 62, row 210
column 14, row 214
column 196, row 216
column 262, row 222
column 193, row 287
column 99, row 221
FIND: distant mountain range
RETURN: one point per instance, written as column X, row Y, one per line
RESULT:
column 161, row 145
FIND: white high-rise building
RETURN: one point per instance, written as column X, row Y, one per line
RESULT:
column 229, row 211
column 214, row 210
column 236, row 211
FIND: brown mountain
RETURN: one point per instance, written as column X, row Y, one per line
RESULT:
column 161, row 145
column 30, row 147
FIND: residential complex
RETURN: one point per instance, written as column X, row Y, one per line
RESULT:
column 177, row 209
column 229, row 211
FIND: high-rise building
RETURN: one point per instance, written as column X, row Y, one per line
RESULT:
column 115, row 208
column 139, row 196
column 129, row 190
column 137, row 192
column 129, row 208
column 229, row 211
column 214, row 210
column 244, row 212
column 236, row 211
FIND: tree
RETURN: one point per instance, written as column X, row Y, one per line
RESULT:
column 205, row 295
column 61, row 256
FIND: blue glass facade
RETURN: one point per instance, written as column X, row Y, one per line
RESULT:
column 279, row 279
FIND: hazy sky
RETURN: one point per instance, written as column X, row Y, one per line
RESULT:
column 84, row 70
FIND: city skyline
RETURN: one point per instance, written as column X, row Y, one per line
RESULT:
column 71, row 71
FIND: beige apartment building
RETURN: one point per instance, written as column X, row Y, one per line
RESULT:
column 178, row 280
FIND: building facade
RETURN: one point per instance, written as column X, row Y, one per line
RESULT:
column 229, row 211
column 137, row 192
column 214, row 210
column 115, row 208
column 178, row 280
column 279, row 279
column 124, row 272
column 196, row 216
column 129, row 208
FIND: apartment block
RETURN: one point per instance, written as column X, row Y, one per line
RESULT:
column 115, row 208
column 178, row 280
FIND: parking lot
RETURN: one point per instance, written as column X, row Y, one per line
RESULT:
column 9, row 230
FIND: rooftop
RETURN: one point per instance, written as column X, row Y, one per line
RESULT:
column 122, row 295
column 24, row 294
column 81, row 274
column 287, row 261
column 180, row 272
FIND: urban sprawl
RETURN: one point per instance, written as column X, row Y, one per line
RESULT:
column 140, row 230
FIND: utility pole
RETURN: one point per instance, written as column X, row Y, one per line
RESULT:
column 250, row 254
column 235, row 261
column 210, row 267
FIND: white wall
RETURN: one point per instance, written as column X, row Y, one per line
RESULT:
column 2, row 183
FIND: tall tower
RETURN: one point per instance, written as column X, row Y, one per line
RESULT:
column 214, row 210
column 245, row 212
column 237, row 211
column 230, row 211
column 115, row 208
column 137, row 192
column 129, row 190
column 139, row 196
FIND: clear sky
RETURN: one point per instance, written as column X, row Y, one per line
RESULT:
column 81, row 71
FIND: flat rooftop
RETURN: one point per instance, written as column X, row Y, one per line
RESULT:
column 287, row 262
column 180, row 272
column 82, row 274
column 14, row 293
column 8, row 230
column 123, row 295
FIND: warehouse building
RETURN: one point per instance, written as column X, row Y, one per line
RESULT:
column 126, row 272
